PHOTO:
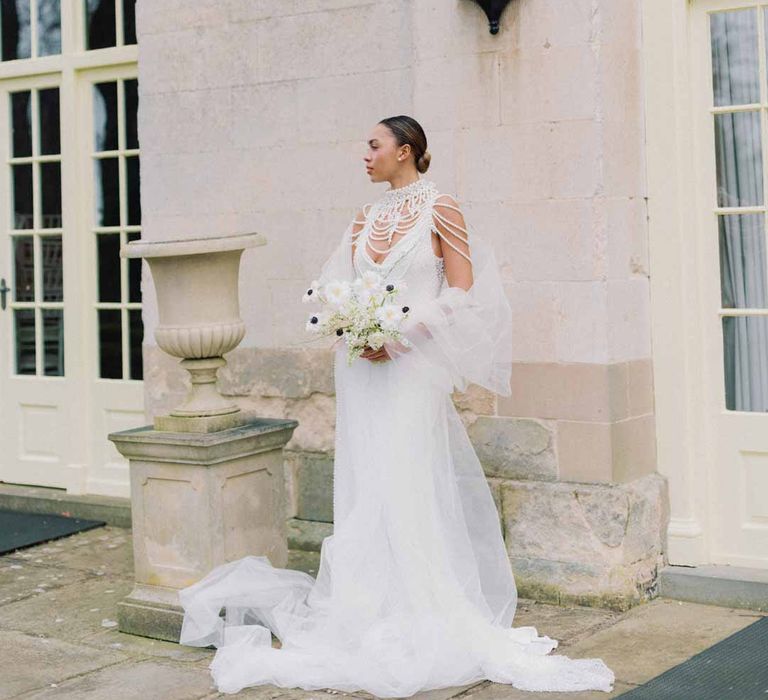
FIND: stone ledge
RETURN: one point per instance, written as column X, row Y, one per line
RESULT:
column 50, row 501
column 727, row 586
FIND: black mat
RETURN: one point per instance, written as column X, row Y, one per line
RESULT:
column 19, row 530
column 736, row 668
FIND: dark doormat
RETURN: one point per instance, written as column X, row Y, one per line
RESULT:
column 19, row 530
column 736, row 668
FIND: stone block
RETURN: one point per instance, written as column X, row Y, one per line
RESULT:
column 633, row 447
column 574, row 157
column 582, row 331
column 545, row 84
column 314, row 486
column 517, row 448
column 307, row 535
column 628, row 312
column 344, row 107
column 522, row 174
column 449, row 91
column 584, row 451
column 598, row 545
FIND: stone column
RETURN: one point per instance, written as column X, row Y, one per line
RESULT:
column 199, row 500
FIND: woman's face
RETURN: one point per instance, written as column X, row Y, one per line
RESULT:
column 381, row 158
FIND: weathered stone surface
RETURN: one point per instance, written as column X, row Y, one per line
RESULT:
column 590, row 544
column 301, row 560
column 307, row 535
column 314, row 486
column 29, row 663
column 518, row 448
column 285, row 372
column 70, row 613
column 658, row 636
column 135, row 681
column 19, row 579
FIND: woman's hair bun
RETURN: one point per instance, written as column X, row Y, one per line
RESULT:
column 422, row 164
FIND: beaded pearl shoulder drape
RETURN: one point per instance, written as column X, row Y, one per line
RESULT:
column 414, row 589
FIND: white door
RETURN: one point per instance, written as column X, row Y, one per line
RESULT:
column 731, row 125
column 70, row 308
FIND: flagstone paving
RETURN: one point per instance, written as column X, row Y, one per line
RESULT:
column 59, row 637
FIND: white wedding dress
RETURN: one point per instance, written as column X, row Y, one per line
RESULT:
column 414, row 590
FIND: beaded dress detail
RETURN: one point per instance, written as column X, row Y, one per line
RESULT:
column 411, row 258
column 414, row 589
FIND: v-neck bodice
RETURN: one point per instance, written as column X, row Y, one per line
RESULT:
column 411, row 258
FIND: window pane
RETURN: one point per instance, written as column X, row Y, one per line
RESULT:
column 105, row 116
column 136, row 336
column 738, row 159
column 134, row 203
column 745, row 353
column 742, row 261
column 134, row 273
column 53, row 342
column 50, row 184
column 735, row 63
column 48, row 27
column 131, row 109
column 110, row 344
column 100, row 29
column 53, row 271
column 108, row 254
column 22, row 196
column 24, row 339
column 16, row 30
column 50, row 127
column 129, row 21
column 21, row 115
column 23, row 269
column 107, row 192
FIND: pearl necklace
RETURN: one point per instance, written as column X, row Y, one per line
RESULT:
column 391, row 217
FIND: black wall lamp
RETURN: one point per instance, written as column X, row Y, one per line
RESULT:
column 493, row 10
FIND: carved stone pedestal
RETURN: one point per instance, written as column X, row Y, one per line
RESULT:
column 199, row 500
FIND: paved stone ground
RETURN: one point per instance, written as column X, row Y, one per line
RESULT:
column 59, row 637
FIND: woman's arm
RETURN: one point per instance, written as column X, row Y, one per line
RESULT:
column 450, row 227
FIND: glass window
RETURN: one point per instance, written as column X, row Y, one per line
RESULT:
column 737, row 81
column 117, row 220
column 16, row 29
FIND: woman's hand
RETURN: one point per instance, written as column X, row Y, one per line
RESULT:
column 379, row 355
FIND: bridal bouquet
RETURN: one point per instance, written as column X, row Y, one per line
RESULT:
column 364, row 311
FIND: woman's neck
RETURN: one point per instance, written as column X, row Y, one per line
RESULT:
column 403, row 181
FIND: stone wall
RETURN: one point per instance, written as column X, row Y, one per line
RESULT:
column 253, row 116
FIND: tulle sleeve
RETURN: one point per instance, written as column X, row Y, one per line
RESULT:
column 338, row 265
column 463, row 336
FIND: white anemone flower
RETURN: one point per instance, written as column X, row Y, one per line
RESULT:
column 337, row 292
column 370, row 279
column 389, row 315
column 315, row 321
column 311, row 293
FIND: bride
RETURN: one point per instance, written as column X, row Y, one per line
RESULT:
column 414, row 590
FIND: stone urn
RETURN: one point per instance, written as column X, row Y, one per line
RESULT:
column 196, row 281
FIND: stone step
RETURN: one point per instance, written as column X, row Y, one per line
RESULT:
column 307, row 535
column 713, row 584
column 41, row 499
